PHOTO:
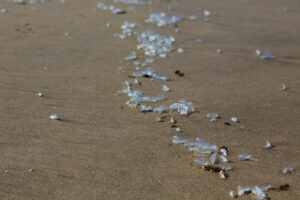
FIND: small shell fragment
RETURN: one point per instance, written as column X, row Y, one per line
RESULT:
column 201, row 162
column 222, row 175
column 184, row 108
column 268, row 145
column 245, row 157
column 226, row 168
column 224, row 151
column 213, row 116
column 283, row 87
column 287, row 170
column 243, row 190
column 178, row 140
column 192, row 17
column 232, row 194
column 206, row 13
column 212, row 158
column 40, row 94
column 159, row 76
column 260, row 195
column 234, row 119
column 266, row 55
column 219, row 51
column 180, row 50
column 159, row 119
column 145, row 108
column 178, row 129
column 165, row 88
column 223, row 159
column 161, row 109
column 54, row 117
column 258, row 52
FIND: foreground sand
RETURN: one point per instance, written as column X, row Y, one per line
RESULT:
column 101, row 149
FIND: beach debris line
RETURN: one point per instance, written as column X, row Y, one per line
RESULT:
column 209, row 155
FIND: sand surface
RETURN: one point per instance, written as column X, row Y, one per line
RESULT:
column 101, row 148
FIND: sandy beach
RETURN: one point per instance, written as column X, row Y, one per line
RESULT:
column 103, row 149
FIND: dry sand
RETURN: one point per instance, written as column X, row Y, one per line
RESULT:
column 101, row 149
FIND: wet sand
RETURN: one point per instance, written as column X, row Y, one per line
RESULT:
column 101, row 148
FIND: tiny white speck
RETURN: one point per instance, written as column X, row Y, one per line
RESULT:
column 54, row 116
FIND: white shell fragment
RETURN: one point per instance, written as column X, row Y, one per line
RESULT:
column 267, row 56
column 232, row 194
column 159, row 76
column 184, row 108
column 260, row 195
column 219, row 51
column 255, row 190
column 246, row 157
column 102, row 6
column 131, row 56
column 234, row 119
column 201, row 162
column 243, row 190
column 193, row 17
column 212, row 158
column 178, row 129
column 147, row 72
column 223, row 159
column 258, row 52
column 268, row 145
column 161, row 109
column 206, row 13
column 283, row 87
column 159, row 119
column 287, row 170
column 165, row 88
column 145, row 108
column 149, row 60
column 224, row 152
column 40, row 94
column 222, row 175
column 197, row 40
column 54, row 117
column 213, row 116
column 180, row 50
column 172, row 120
column 178, row 140
column 30, row 170
column 226, row 168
